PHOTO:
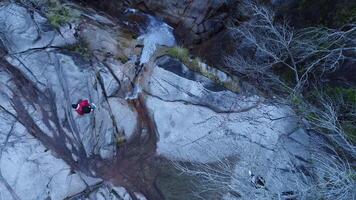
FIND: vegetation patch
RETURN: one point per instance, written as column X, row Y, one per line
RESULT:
column 81, row 48
column 59, row 14
column 345, row 99
column 122, row 58
column 350, row 131
column 176, row 185
column 346, row 15
column 347, row 94
column 330, row 13
column 331, row 110
column 182, row 54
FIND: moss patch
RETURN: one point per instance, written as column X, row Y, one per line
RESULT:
column 122, row 58
column 80, row 48
column 182, row 54
column 59, row 14
column 345, row 98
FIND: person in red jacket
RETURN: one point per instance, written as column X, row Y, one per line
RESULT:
column 83, row 107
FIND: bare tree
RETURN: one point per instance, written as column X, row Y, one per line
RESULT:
column 282, row 58
column 300, row 55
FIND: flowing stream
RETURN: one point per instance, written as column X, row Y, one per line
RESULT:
column 157, row 33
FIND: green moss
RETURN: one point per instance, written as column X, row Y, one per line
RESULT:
column 233, row 85
column 123, row 58
column 312, row 116
column 194, row 64
column 182, row 54
column 59, row 14
column 80, row 48
column 179, row 53
column 120, row 140
column 345, row 99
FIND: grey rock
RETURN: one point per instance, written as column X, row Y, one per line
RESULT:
column 66, row 155
column 196, row 123
column 39, row 81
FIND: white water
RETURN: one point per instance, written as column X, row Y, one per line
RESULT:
column 157, row 33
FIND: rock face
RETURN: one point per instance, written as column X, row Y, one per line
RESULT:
column 48, row 151
column 199, row 121
column 194, row 21
column 157, row 104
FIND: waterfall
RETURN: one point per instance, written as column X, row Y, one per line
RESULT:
column 157, row 33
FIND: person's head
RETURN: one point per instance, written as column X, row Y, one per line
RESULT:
column 74, row 106
column 86, row 109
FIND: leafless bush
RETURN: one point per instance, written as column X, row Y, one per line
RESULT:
column 229, row 178
column 332, row 178
column 296, row 60
column 288, row 59
column 336, row 179
column 325, row 119
column 213, row 178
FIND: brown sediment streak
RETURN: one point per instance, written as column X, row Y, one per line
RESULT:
column 134, row 164
column 134, row 167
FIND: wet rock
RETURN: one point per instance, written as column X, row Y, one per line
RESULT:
column 189, row 16
column 46, row 144
column 104, row 42
column 30, row 170
column 198, row 124
column 172, row 81
column 196, row 119
column 194, row 21
column 22, row 32
column 137, row 21
column 125, row 116
column 158, row 34
column 220, row 79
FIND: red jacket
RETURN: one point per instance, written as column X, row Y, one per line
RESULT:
column 81, row 105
